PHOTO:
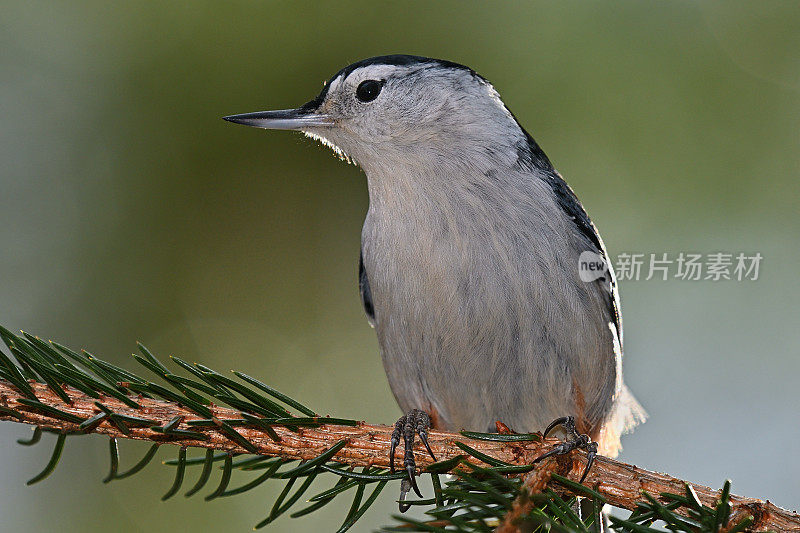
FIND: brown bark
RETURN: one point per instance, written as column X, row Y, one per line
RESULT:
column 621, row 484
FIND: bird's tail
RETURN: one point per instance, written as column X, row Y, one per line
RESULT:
column 626, row 414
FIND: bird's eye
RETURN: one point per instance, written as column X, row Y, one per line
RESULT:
column 368, row 90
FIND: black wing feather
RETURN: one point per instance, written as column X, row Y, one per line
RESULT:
column 531, row 156
column 366, row 294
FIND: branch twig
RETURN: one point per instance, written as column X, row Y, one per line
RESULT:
column 368, row 445
column 535, row 482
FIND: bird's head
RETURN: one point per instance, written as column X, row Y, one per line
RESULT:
column 395, row 110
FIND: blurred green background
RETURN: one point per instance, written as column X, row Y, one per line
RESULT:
column 130, row 211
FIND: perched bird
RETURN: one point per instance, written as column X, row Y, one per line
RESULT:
column 469, row 265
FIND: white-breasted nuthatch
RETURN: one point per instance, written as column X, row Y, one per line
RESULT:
column 469, row 266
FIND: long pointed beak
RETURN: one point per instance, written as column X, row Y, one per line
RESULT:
column 285, row 119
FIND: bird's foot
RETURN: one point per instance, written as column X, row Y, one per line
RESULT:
column 414, row 422
column 574, row 441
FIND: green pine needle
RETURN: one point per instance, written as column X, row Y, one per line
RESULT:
column 476, row 499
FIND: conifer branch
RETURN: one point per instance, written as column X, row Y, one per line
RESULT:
column 61, row 391
column 367, row 445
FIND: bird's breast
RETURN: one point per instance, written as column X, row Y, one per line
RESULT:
column 472, row 296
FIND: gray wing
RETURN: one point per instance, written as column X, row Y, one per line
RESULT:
column 626, row 411
column 366, row 294
column 569, row 202
column 531, row 156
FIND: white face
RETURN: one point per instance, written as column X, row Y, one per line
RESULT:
column 390, row 112
column 412, row 112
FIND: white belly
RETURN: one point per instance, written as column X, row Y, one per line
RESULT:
column 477, row 330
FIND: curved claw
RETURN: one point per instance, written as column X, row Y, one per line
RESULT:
column 564, row 420
column 414, row 422
column 561, row 449
column 574, row 440
column 423, row 436
column 392, row 449
column 412, row 480
column 554, row 451
column 590, row 455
